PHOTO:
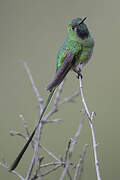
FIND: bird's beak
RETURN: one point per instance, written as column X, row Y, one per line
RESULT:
column 83, row 19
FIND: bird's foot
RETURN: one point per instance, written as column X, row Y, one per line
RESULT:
column 79, row 75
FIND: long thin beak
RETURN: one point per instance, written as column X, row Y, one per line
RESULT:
column 82, row 20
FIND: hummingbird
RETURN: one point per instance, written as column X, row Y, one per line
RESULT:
column 73, row 55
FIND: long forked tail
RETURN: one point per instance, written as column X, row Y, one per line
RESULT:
column 17, row 160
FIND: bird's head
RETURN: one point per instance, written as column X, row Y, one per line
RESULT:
column 77, row 29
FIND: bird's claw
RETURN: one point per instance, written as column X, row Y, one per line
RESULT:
column 79, row 75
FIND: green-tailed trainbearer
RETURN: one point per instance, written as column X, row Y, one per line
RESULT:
column 73, row 54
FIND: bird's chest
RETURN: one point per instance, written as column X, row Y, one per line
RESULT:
column 84, row 56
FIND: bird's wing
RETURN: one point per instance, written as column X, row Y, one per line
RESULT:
column 63, row 70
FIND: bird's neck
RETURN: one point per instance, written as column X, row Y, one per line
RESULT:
column 87, row 42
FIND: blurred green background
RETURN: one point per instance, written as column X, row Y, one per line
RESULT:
column 33, row 30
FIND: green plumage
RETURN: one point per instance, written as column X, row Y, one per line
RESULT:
column 68, row 45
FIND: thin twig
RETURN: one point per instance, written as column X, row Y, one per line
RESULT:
column 79, row 165
column 67, row 149
column 77, row 134
column 56, row 102
column 14, row 172
column 46, row 173
column 51, row 170
column 58, row 94
column 52, row 121
column 50, row 164
column 70, row 98
column 36, row 149
column 40, row 100
column 50, row 153
column 26, row 128
column 49, row 113
column 15, row 133
column 90, row 117
column 37, row 173
column 25, row 124
column 45, row 118
column 30, row 168
column 69, row 175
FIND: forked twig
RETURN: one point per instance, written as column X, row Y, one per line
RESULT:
column 79, row 166
column 71, row 146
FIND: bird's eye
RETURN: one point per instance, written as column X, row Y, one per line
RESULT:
column 73, row 28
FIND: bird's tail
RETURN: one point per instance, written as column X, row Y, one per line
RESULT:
column 17, row 160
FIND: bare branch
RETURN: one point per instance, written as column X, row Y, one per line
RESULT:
column 36, row 149
column 71, row 148
column 30, row 168
column 15, row 133
column 51, row 170
column 50, row 164
column 50, row 153
column 55, row 106
column 38, row 170
column 25, row 124
column 79, row 166
column 52, row 121
column 26, row 128
column 70, row 98
column 77, row 134
column 67, row 149
column 58, row 94
column 46, row 173
column 64, row 162
column 69, row 175
column 57, row 101
column 40, row 100
column 90, row 117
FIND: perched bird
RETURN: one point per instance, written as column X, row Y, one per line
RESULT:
column 73, row 54
column 75, row 51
